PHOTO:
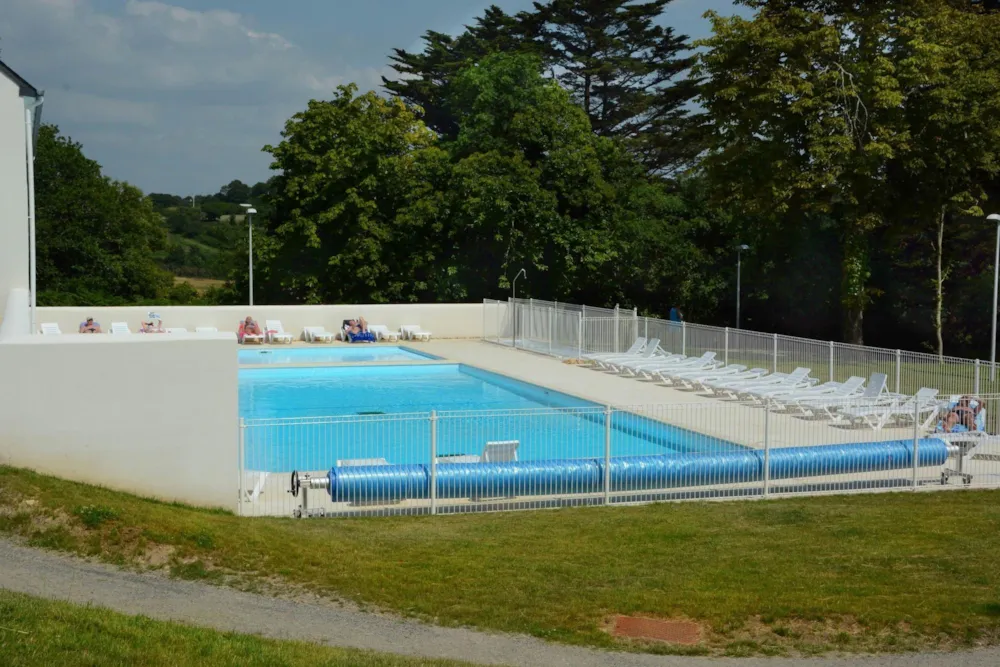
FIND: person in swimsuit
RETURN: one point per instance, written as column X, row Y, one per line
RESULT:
column 90, row 326
column 963, row 413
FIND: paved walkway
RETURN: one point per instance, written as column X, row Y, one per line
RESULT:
column 54, row 576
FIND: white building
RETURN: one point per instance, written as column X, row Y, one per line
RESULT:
column 20, row 114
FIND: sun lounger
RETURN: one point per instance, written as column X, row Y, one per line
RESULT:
column 924, row 402
column 779, row 398
column 826, row 406
column 637, row 347
column 382, row 332
column 705, row 362
column 703, row 383
column 120, row 328
column 651, row 352
column 684, row 377
column 499, row 451
column 637, row 367
column 275, row 333
column 51, row 329
column 797, row 379
column 317, row 335
column 414, row 332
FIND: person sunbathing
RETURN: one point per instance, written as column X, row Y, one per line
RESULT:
column 90, row 326
column 151, row 326
column 248, row 327
column 357, row 331
column 962, row 415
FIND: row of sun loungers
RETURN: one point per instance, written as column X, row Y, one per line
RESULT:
column 852, row 402
column 276, row 333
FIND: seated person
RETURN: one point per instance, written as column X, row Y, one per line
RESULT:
column 962, row 416
column 151, row 326
column 357, row 331
column 248, row 327
column 90, row 326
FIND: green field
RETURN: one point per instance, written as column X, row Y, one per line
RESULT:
column 886, row 572
column 41, row 632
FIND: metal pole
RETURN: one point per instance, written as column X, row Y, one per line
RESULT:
column 739, row 269
column 899, row 366
column 767, row 448
column 774, row 368
column 250, row 217
column 241, row 459
column 996, row 279
column 552, row 325
column 607, row 455
column 616, row 348
column 831, row 361
column 434, row 463
column 29, row 114
column 531, row 317
column 645, row 328
column 498, row 322
column 579, row 336
column 684, row 338
column 484, row 320
column 975, row 386
column 916, row 430
column 727, row 347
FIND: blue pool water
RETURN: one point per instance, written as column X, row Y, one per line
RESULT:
column 335, row 410
column 344, row 354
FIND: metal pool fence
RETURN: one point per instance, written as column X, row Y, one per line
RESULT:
column 474, row 461
column 571, row 331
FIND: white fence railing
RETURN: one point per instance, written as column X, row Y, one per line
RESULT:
column 570, row 331
column 472, row 461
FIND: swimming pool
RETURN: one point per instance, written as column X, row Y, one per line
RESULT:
column 383, row 412
column 342, row 354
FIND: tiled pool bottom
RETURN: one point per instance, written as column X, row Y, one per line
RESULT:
column 311, row 418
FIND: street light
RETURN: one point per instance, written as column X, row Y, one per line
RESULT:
column 996, row 275
column 739, row 269
column 250, row 211
column 513, row 299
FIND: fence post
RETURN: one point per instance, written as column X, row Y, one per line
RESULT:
column 898, row 369
column 684, row 338
column 240, row 464
column 831, row 361
column 916, row 435
column 484, row 320
column 767, row 447
column 498, row 322
column 607, row 455
column 774, row 365
column 579, row 335
column 635, row 324
column 617, row 326
column 552, row 324
column 726, row 354
column 434, row 463
column 645, row 328
column 975, row 385
column 531, row 317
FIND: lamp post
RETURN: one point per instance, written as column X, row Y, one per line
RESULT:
column 513, row 298
column 996, row 275
column 739, row 269
column 250, row 211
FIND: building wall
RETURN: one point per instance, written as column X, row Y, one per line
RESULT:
column 152, row 415
column 448, row 320
column 13, row 192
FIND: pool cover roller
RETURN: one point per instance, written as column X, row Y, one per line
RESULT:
column 632, row 473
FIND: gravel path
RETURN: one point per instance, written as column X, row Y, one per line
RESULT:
column 49, row 575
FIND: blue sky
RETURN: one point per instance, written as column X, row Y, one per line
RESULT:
column 179, row 96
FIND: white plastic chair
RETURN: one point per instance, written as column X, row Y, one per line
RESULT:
column 120, row 328
column 317, row 335
column 413, row 332
column 275, row 333
column 382, row 332
column 51, row 329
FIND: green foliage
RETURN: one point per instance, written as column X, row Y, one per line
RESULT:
column 95, row 236
column 92, row 516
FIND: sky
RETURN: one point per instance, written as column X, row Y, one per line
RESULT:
column 180, row 96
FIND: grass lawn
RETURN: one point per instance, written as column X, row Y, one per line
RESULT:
column 875, row 572
column 40, row 632
column 200, row 284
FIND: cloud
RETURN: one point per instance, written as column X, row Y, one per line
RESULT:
column 190, row 96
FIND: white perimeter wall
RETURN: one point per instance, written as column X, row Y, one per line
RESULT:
column 152, row 415
column 13, row 192
column 446, row 320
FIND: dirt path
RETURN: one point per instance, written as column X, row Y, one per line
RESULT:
column 54, row 576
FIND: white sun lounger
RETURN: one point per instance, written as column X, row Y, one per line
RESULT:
column 413, row 332
column 797, row 379
column 703, row 383
column 650, row 352
column 779, row 398
column 705, row 362
column 317, row 335
column 275, row 333
column 685, row 377
column 498, row 451
column 50, row 329
column 120, row 328
column 826, row 406
column 382, row 332
column 644, row 367
column 637, row 347
column 924, row 402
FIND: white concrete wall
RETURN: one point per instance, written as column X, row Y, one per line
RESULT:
column 152, row 415
column 447, row 320
column 13, row 192
column 16, row 314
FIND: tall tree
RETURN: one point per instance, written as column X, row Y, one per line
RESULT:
column 807, row 113
column 626, row 70
column 96, row 237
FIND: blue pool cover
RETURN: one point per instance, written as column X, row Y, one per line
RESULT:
column 632, row 473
